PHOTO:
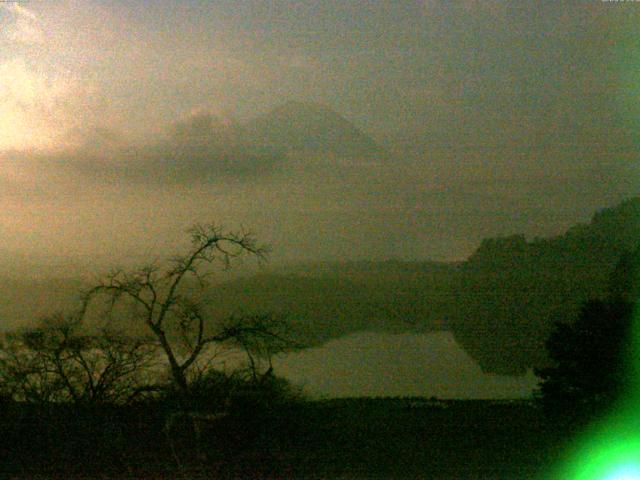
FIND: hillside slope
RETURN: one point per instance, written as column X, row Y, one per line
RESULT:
column 511, row 291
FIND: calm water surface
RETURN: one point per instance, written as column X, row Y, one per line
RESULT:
column 381, row 364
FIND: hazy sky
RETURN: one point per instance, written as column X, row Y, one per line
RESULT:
column 498, row 117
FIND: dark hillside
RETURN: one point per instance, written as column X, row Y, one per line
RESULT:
column 511, row 291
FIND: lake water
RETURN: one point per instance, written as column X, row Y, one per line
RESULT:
column 380, row 364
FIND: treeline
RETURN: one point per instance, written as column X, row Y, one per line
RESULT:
column 593, row 365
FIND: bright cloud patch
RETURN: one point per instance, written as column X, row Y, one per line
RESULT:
column 36, row 109
column 22, row 26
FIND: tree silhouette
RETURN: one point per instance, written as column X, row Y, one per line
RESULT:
column 590, row 370
column 592, row 357
column 167, row 300
column 61, row 360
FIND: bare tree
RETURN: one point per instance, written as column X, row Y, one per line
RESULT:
column 61, row 361
column 24, row 374
column 167, row 301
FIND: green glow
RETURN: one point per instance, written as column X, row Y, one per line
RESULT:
column 610, row 449
column 626, row 472
column 610, row 458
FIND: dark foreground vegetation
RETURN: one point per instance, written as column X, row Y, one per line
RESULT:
column 351, row 438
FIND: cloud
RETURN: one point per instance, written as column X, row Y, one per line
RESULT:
column 473, row 90
column 39, row 108
column 168, row 164
column 199, row 150
column 24, row 26
column 27, row 102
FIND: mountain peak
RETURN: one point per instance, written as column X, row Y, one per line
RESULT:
column 309, row 127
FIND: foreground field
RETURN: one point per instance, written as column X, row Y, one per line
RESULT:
column 350, row 439
column 387, row 438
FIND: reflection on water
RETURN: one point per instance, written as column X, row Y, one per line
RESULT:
column 380, row 364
